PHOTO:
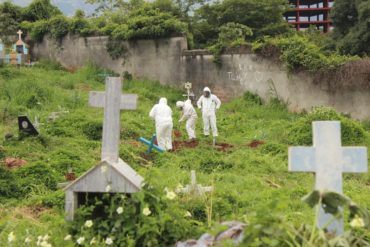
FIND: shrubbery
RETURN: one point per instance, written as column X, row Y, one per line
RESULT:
column 8, row 184
column 297, row 51
column 32, row 176
column 146, row 218
column 300, row 132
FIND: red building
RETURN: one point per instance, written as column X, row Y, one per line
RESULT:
column 304, row 13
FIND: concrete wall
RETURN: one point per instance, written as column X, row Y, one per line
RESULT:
column 153, row 59
column 169, row 61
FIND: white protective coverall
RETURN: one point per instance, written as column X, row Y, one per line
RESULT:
column 190, row 115
column 209, row 105
column 162, row 114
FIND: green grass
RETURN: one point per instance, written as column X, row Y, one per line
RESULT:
column 245, row 179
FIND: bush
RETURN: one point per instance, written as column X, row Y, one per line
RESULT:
column 93, row 130
column 79, row 26
column 297, row 51
column 40, row 10
column 58, row 27
column 39, row 29
column 31, row 176
column 300, row 133
column 8, row 185
column 233, row 34
column 148, row 218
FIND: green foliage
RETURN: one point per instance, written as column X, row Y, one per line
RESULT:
column 266, row 229
column 10, row 17
column 216, row 50
column 152, row 23
column 262, row 17
column 8, row 185
column 80, row 26
column 33, row 176
column 301, row 132
column 148, row 218
column 232, row 34
column 38, row 30
column 47, row 64
column 58, row 27
column 93, row 130
column 297, row 51
column 350, row 19
column 40, row 10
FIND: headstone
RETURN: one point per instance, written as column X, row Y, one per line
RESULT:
column 111, row 175
column 151, row 144
column 194, row 188
column 189, row 94
column 26, row 127
column 112, row 101
column 19, row 45
column 328, row 160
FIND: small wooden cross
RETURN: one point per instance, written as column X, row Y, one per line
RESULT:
column 328, row 160
column 112, row 101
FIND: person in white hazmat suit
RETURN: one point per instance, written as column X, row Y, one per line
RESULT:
column 162, row 114
column 209, row 103
column 190, row 115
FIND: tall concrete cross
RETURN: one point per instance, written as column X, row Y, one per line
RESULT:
column 328, row 160
column 112, row 101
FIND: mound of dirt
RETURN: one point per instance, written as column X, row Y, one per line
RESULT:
column 176, row 145
column 14, row 163
column 255, row 143
column 223, row 147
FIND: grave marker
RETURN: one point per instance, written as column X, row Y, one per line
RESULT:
column 26, row 127
column 151, row 144
column 112, row 101
column 193, row 187
column 111, row 175
column 328, row 160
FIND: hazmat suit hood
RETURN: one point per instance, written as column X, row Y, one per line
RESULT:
column 180, row 104
column 163, row 101
column 206, row 89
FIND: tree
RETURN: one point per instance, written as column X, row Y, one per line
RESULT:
column 264, row 17
column 10, row 18
column 40, row 10
column 351, row 21
column 344, row 15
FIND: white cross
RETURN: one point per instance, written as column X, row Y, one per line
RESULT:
column 19, row 34
column 112, row 101
column 328, row 160
column 188, row 87
column 193, row 187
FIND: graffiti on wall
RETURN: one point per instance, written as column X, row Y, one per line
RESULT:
column 244, row 73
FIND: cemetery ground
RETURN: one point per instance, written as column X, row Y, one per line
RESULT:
column 249, row 172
